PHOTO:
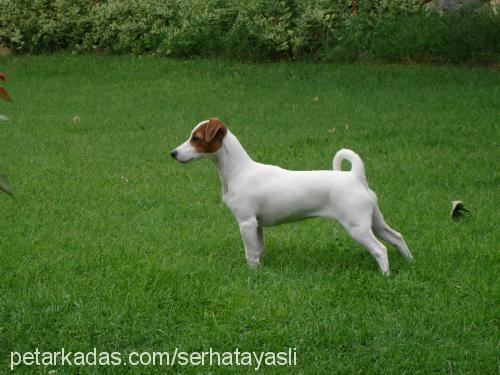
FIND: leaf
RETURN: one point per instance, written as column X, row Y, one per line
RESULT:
column 4, row 94
column 4, row 184
column 3, row 77
column 458, row 210
column 3, row 118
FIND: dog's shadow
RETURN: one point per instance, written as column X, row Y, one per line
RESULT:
column 331, row 258
column 334, row 253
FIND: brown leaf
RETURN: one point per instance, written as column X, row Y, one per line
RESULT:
column 3, row 77
column 4, row 94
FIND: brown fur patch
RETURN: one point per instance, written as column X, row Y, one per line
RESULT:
column 207, row 138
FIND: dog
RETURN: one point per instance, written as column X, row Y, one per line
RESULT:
column 261, row 195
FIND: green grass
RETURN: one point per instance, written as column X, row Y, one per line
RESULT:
column 111, row 244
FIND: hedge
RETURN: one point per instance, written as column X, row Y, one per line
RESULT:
column 335, row 30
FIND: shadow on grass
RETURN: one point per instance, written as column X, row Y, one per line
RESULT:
column 338, row 256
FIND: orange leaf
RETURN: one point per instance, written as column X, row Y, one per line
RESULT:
column 4, row 94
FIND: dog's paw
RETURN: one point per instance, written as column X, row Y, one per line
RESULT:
column 253, row 265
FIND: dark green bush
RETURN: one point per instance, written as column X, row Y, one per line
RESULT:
column 451, row 38
column 128, row 26
column 44, row 25
column 336, row 30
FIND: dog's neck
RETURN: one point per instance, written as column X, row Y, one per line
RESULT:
column 230, row 159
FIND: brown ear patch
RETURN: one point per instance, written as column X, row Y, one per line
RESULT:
column 207, row 138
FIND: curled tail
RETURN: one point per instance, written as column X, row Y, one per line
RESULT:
column 357, row 166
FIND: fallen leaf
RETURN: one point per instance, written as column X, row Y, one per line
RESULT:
column 458, row 210
column 4, row 184
column 4, row 94
column 3, row 77
column 3, row 118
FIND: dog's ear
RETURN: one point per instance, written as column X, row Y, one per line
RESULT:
column 214, row 128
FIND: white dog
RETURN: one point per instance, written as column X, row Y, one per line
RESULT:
column 261, row 195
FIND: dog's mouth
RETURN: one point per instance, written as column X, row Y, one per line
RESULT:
column 175, row 155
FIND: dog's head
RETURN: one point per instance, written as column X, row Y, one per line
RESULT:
column 206, row 138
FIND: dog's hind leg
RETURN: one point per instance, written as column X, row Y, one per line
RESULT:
column 365, row 237
column 381, row 228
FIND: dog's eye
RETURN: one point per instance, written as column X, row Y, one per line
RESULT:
column 194, row 138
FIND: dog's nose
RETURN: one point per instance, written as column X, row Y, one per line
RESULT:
column 174, row 153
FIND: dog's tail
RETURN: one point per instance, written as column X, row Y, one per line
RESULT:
column 357, row 166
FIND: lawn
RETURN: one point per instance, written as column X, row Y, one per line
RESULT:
column 110, row 244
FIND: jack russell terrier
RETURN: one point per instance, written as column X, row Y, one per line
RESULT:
column 261, row 195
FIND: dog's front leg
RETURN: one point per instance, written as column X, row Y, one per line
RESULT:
column 253, row 239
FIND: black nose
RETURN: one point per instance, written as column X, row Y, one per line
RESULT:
column 174, row 153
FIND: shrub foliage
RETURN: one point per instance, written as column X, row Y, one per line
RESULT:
column 338, row 30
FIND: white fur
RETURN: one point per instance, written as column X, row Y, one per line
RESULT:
column 261, row 195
